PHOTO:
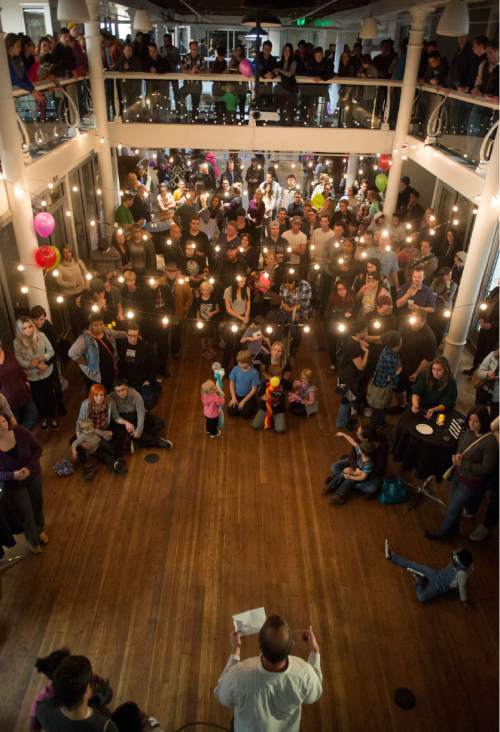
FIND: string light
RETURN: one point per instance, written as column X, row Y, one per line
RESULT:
column 408, row 226
column 94, row 308
column 60, row 299
column 43, row 202
column 377, row 324
column 20, row 267
column 181, row 280
column 408, row 239
column 387, row 248
column 75, row 189
column 98, row 191
column 55, row 273
column 412, row 320
column 152, row 281
column 199, row 324
column 364, row 255
column 130, row 314
column 454, row 209
column 455, row 222
column 24, row 289
column 385, row 233
column 316, row 266
column 307, row 329
column 165, row 320
column 341, row 327
column 432, row 232
column 88, row 276
column 68, row 213
column 447, row 313
column 234, row 328
column 483, row 306
column 269, row 329
column 211, row 280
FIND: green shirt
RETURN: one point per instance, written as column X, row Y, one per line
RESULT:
column 123, row 216
column 432, row 398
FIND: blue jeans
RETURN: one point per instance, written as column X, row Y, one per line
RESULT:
column 460, row 495
column 342, row 487
column 434, row 583
column 473, row 504
column 27, row 415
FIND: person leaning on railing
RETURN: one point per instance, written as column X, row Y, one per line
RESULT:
column 17, row 67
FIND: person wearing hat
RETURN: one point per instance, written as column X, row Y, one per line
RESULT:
column 458, row 266
column 431, row 583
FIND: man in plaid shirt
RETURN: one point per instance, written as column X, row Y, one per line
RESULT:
column 295, row 295
column 389, row 363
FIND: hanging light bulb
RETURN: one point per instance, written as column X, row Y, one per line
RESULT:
column 88, row 276
column 483, row 306
column 269, row 329
column 341, row 327
column 455, row 222
column 454, row 20
column 432, row 232
column 20, row 267
column 165, row 320
column 24, row 290
column 316, row 266
column 55, row 273
column 199, row 324
column 130, row 314
column 447, row 313
column 60, row 299
column 307, row 329
column 98, row 191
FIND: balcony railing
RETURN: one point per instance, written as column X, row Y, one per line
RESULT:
column 234, row 99
column 455, row 122
column 66, row 109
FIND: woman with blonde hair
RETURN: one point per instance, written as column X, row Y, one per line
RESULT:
column 212, row 398
column 35, row 354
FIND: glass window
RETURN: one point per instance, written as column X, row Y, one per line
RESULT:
column 11, row 278
column 88, row 186
column 34, row 23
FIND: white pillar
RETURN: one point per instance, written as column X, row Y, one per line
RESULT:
column 18, row 193
column 418, row 18
column 93, row 39
column 482, row 239
column 352, row 170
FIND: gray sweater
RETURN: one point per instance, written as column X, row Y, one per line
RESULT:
column 25, row 355
column 482, row 460
column 133, row 403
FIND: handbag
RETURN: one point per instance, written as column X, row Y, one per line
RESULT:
column 393, row 491
column 378, row 397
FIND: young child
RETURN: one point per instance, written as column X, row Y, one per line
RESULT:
column 303, row 399
column 431, row 583
column 219, row 374
column 256, row 342
column 207, row 308
column 212, row 398
column 271, row 410
column 88, row 442
column 348, row 473
column 244, row 381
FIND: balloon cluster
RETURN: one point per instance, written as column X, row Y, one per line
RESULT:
column 381, row 180
column 47, row 257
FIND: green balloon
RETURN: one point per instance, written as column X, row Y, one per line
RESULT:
column 381, row 182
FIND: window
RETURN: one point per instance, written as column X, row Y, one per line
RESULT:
column 36, row 21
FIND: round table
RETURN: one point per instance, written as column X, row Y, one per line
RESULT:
column 426, row 455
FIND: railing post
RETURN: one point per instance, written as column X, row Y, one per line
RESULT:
column 18, row 193
column 481, row 241
column 93, row 38
column 418, row 17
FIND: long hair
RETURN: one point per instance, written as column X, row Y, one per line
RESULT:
column 483, row 416
column 242, row 285
column 28, row 343
column 439, row 384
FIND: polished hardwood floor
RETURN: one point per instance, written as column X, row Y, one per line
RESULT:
column 143, row 573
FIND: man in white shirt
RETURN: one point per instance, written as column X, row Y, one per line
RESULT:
column 267, row 692
column 322, row 253
column 297, row 243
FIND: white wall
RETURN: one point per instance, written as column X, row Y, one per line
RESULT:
column 12, row 15
column 420, row 179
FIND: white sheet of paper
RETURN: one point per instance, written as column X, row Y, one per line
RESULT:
column 250, row 622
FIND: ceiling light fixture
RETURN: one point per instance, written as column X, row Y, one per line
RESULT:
column 142, row 20
column 75, row 10
column 369, row 28
column 454, row 20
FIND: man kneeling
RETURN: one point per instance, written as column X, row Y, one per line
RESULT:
column 130, row 412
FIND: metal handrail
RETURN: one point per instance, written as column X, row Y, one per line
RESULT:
column 434, row 124
column 207, row 76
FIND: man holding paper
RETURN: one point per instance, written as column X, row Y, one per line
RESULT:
column 267, row 692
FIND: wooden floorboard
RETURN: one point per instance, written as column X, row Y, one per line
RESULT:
column 142, row 574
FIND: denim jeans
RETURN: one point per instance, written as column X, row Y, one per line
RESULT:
column 367, row 486
column 473, row 504
column 460, row 495
column 344, row 413
column 436, row 582
column 27, row 415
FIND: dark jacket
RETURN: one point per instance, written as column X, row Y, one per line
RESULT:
column 463, row 68
column 28, row 456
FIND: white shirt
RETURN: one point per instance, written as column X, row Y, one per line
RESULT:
column 294, row 241
column 319, row 240
column 269, row 701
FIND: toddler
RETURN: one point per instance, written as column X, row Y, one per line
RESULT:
column 88, row 442
column 212, row 398
column 271, row 411
column 303, row 399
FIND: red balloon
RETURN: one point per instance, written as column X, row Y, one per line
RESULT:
column 384, row 163
column 45, row 257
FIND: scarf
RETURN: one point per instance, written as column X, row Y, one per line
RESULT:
column 99, row 414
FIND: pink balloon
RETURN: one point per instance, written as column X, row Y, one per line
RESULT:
column 245, row 68
column 44, row 224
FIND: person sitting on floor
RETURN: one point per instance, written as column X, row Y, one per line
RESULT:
column 90, row 441
column 431, row 583
column 243, row 384
column 271, row 410
column 365, row 475
column 303, row 398
column 129, row 411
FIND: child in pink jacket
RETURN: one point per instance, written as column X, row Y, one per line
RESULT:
column 212, row 398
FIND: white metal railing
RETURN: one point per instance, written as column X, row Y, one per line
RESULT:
column 460, row 96
column 50, row 85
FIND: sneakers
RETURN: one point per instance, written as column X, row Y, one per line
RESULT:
column 212, row 436
column 480, row 533
column 387, row 549
column 45, row 424
column 166, row 444
column 44, row 539
column 119, row 467
column 466, row 514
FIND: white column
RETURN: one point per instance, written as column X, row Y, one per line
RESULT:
column 352, row 170
column 93, row 39
column 17, row 187
column 418, row 18
column 482, row 239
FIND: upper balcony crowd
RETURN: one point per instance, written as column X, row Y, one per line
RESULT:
column 473, row 69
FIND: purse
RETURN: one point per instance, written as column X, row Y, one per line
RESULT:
column 378, row 397
column 393, row 491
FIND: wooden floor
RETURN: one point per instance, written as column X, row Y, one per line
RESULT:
column 143, row 575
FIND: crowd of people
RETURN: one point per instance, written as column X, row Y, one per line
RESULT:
column 473, row 69
column 250, row 260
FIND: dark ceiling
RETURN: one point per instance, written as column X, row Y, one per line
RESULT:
column 285, row 9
